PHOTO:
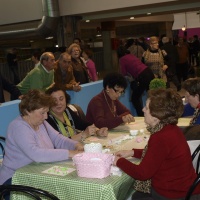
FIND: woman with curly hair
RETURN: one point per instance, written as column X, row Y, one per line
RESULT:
column 165, row 171
column 79, row 68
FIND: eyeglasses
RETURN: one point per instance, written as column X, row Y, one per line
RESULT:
column 154, row 43
column 76, row 50
column 118, row 92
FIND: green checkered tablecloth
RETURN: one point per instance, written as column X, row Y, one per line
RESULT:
column 71, row 186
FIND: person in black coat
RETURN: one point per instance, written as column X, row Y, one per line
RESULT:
column 13, row 64
column 170, row 60
column 9, row 87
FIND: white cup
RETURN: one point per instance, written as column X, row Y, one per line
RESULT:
column 134, row 132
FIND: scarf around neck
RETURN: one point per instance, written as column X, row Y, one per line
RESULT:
column 195, row 115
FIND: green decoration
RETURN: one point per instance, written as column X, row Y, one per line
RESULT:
column 157, row 83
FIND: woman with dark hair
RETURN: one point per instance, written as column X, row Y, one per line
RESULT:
column 105, row 110
column 192, row 97
column 31, row 139
column 165, row 171
column 87, row 56
column 66, row 121
column 132, row 67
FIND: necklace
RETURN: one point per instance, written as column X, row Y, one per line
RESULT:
column 113, row 108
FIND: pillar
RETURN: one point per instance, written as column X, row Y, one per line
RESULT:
column 68, row 29
column 108, row 33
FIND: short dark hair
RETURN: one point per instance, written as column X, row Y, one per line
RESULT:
column 37, row 55
column 114, row 79
column 33, row 100
column 166, row 105
column 56, row 88
column 76, row 38
column 88, row 52
column 122, row 51
column 192, row 85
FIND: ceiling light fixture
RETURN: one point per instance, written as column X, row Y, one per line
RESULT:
column 185, row 26
column 149, row 13
column 49, row 38
column 87, row 20
column 132, row 17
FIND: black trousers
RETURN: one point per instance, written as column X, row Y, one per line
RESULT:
column 8, row 182
column 172, row 77
column 182, row 71
column 143, row 80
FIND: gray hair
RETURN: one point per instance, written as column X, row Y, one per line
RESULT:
column 45, row 56
column 62, row 55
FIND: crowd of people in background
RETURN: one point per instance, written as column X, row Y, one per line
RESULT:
column 49, row 125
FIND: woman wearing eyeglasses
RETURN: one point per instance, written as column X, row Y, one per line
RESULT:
column 153, row 57
column 79, row 68
column 192, row 97
column 105, row 110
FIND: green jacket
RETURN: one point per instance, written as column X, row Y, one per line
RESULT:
column 37, row 78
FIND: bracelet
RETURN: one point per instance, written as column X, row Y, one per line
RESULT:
column 82, row 138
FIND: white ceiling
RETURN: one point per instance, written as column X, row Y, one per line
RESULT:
column 162, row 11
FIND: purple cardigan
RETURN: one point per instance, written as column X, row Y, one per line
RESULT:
column 131, row 65
column 25, row 145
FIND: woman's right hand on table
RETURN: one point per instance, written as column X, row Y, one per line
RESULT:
column 125, row 153
column 128, row 118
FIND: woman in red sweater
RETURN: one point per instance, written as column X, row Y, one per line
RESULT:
column 166, row 170
column 105, row 109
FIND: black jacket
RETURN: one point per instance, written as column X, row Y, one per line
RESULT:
column 79, row 123
column 172, row 56
column 9, row 87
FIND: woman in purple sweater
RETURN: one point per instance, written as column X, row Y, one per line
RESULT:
column 132, row 66
column 31, row 139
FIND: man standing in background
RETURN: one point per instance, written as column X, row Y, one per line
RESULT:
column 40, row 77
column 171, row 59
column 13, row 65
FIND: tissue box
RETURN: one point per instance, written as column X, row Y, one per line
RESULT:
column 93, row 148
column 93, row 165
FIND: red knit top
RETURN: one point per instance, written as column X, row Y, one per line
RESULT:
column 167, row 163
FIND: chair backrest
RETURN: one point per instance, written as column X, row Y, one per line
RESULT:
column 31, row 191
column 78, row 110
column 195, row 154
column 2, row 140
column 192, row 188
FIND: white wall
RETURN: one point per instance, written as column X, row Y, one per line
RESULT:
column 14, row 11
column 70, row 7
column 189, row 19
